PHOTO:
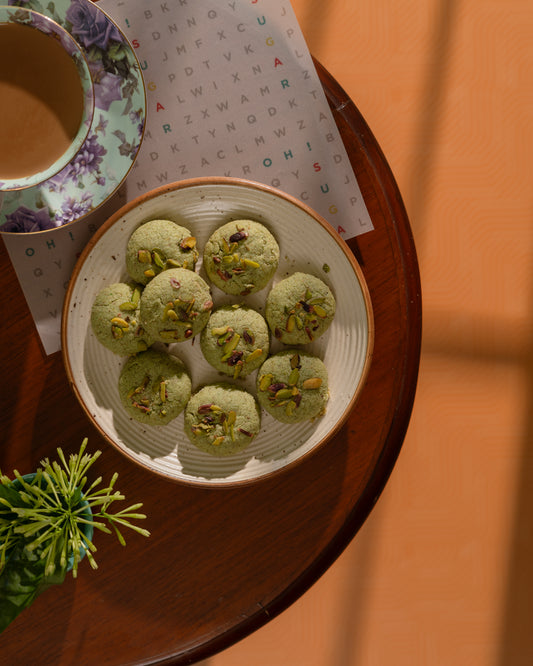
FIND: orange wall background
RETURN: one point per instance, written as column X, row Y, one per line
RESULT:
column 441, row 574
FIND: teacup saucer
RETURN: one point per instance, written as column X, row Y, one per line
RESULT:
column 115, row 135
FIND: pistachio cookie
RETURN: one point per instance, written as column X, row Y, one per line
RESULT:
column 175, row 305
column 115, row 319
column 154, row 387
column 241, row 257
column 292, row 386
column 236, row 340
column 299, row 309
column 158, row 245
column 221, row 419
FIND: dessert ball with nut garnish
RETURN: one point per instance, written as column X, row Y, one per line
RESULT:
column 154, row 387
column 115, row 319
column 299, row 309
column 241, row 257
column 158, row 245
column 292, row 386
column 221, row 419
column 236, row 340
column 175, row 305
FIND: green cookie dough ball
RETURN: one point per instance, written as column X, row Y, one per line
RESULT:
column 292, row 386
column 158, row 245
column 299, row 309
column 115, row 319
column 154, row 387
column 175, row 305
column 241, row 257
column 236, row 340
column 221, row 419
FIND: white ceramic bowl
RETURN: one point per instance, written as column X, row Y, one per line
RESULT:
column 307, row 243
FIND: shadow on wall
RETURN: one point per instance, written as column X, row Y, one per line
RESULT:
column 429, row 116
column 516, row 635
column 516, row 643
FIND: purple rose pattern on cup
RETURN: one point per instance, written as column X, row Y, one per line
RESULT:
column 89, row 25
column 24, row 220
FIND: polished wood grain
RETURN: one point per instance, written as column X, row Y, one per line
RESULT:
column 220, row 562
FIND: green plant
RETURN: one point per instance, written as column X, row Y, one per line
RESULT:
column 46, row 526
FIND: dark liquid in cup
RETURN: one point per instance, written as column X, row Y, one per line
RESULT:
column 41, row 101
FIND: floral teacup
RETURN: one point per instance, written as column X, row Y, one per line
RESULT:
column 47, row 98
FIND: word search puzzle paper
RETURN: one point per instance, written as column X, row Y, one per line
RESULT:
column 231, row 91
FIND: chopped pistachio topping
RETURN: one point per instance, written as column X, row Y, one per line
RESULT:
column 132, row 305
column 288, row 394
column 215, row 424
column 159, row 261
column 231, row 261
column 149, row 397
column 304, row 314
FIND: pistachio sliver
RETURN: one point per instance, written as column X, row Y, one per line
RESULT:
column 248, row 336
column 239, row 235
column 291, row 322
column 290, row 407
column 265, row 381
column 319, row 311
column 132, row 305
column 144, row 256
column 250, row 263
column 293, row 377
column 188, row 243
column 219, row 330
column 172, row 263
column 312, row 383
column 230, row 344
column 119, row 321
column 168, row 307
column 252, row 356
column 283, row 394
column 128, row 306
column 172, row 315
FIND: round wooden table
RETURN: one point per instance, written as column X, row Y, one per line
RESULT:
column 220, row 562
